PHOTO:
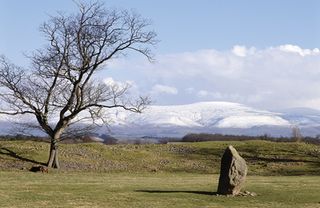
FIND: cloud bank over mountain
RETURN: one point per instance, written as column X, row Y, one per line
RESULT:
column 270, row 78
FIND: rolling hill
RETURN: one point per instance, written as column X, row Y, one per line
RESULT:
column 203, row 117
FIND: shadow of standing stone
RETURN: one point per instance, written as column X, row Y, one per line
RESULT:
column 232, row 173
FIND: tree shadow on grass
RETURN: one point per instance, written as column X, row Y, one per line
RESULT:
column 8, row 152
column 177, row 191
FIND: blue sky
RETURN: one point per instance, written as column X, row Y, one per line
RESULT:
column 244, row 33
column 182, row 25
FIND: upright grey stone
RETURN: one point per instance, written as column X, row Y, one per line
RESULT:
column 232, row 173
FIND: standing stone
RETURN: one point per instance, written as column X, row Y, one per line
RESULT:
column 233, row 172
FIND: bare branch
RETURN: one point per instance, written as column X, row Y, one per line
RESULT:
column 60, row 81
column 16, row 113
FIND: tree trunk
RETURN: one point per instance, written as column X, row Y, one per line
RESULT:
column 53, row 161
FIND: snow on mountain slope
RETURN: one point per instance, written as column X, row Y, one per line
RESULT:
column 302, row 116
column 205, row 114
column 204, row 117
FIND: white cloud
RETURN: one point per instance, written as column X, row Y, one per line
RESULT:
column 203, row 93
column 189, row 90
column 163, row 89
column 274, row 77
column 111, row 82
column 298, row 50
column 242, row 51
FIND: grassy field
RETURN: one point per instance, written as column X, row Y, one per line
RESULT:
column 153, row 175
column 123, row 190
column 263, row 157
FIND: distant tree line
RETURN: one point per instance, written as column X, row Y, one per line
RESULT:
column 202, row 137
column 221, row 137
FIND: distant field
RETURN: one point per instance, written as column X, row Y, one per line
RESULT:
column 263, row 157
column 154, row 190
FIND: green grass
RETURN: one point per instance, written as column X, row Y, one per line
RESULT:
column 167, row 175
column 124, row 190
column 263, row 157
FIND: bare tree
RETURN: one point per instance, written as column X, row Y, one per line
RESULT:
column 296, row 134
column 60, row 84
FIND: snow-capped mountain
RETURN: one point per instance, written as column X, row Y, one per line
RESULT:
column 205, row 117
column 211, row 117
column 302, row 116
column 204, row 114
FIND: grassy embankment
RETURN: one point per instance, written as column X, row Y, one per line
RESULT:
column 171, row 175
column 263, row 157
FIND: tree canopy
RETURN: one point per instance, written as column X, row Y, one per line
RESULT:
column 61, row 82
